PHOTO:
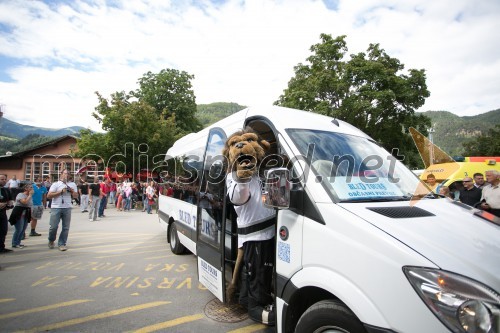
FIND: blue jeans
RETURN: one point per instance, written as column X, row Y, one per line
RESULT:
column 127, row 203
column 57, row 215
column 19, row 229
column 102, row 206
column 94, row 207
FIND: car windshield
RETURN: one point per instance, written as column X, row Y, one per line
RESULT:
column 354, row 168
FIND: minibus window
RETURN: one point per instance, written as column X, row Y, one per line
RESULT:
column 353, row 168
column 184, row 175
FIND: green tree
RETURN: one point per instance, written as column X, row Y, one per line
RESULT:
column 142, row 120
column 170, row 93
column 368, row 91
column 484, row 145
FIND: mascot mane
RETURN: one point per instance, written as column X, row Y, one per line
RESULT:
column 243, row 152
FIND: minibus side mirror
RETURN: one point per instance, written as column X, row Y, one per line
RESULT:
column 277, row 188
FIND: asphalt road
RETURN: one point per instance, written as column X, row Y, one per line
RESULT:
column 117, row 275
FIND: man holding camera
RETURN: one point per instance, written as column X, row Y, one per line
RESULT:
column 61, row 194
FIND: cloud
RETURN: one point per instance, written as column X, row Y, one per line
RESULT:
column 55, row 54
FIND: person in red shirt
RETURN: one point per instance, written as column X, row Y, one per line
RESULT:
column 170, row 191
column 104, row 196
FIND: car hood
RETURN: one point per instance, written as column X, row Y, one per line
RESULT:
column 450, row 236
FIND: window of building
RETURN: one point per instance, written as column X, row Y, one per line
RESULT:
column 27, row 171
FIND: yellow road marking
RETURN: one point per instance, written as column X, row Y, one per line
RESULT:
column 161, row 257
column 43, row 308
column 84, row 247
column 135, row 247
column 127, row 253
column 95, row 317
column 3, row 300
column 13, row 267
column 249, row 329
column 170, row 323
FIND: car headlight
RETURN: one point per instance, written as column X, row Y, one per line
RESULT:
column 462, row 304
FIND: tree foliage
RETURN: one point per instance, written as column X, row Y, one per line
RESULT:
column 484, row 145
column 452, row 131
column 170, row 93
column 369, row 91
column 148, row 120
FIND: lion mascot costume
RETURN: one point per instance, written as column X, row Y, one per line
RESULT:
column 244, row 152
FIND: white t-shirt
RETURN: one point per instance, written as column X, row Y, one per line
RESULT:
column 12, row 183
column 247, row 200
column 64, row 200
column 491, row 194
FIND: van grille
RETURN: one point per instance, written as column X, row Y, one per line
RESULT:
column 404, row 212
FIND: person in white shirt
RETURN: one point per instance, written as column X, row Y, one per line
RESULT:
column 490, row 199
column 61, row 193
column 13, row 182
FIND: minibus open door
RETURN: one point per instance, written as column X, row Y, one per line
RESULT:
column 216, row 244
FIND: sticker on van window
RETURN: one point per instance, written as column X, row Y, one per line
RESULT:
column 355, row 188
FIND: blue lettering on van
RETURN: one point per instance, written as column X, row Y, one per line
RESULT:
column 209, row 269
column 205, row 227
column 186, row 218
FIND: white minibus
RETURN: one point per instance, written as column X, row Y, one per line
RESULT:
column 354, row 252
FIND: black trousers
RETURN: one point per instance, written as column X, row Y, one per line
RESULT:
column 4, row 227
column 259, row 262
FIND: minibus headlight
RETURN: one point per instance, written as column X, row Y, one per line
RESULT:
column 462, row 304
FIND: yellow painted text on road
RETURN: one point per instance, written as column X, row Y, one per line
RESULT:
column 53, row 281
column 126, row 282
column 82, row 266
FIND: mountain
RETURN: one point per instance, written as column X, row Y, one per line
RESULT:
column 208, row 114
column 15, row 130
column 451, row 131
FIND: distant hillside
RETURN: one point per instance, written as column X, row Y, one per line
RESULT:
column 208, row 114
column 452, row 130
column 12, row 129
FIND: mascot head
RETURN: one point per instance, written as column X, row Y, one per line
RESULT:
column 244, row 150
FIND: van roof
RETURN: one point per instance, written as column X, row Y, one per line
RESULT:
column 281, row 118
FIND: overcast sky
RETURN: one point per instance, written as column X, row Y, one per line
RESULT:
column 55, row 54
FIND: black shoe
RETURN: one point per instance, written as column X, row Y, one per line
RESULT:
column 266, row 315
column 34, row 233
column 4, row 250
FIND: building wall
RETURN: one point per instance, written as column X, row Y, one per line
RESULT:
column 45, row 161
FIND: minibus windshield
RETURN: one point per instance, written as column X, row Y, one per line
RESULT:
column 354, row 168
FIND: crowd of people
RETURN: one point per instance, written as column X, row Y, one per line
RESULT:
column 28, row 201
column 479, row 191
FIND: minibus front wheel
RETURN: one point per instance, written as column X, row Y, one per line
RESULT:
column 329, row 316
column 175, row 245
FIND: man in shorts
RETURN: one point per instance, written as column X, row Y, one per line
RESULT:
column 39, row 202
